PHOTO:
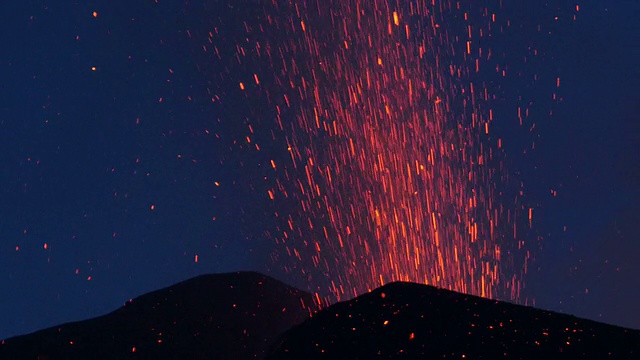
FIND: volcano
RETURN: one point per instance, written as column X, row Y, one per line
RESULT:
column 412, row 321
column 221, row 316
column 247, row 315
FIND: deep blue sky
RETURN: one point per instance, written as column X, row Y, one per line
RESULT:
column 85, row 154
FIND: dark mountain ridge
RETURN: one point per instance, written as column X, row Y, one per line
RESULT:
column 222, row 316
column 247, row 315
column 412, row 321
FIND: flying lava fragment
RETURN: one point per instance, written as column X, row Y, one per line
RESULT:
column 393, row 173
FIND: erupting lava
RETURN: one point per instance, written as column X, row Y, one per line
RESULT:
column 393, row 172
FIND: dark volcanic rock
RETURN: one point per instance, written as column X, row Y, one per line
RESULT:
column 411, row 321
column 223, row 316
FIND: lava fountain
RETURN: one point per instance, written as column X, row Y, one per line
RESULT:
column 393, row 174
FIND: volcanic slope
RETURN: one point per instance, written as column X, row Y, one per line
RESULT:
column 412, row 321
column 221, row 316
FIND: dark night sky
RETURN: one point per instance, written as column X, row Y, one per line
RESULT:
column 115, row 172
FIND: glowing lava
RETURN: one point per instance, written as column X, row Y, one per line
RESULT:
column 393, row 174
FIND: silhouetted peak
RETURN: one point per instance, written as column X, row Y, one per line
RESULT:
column 227, row 316
column 404, row 320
